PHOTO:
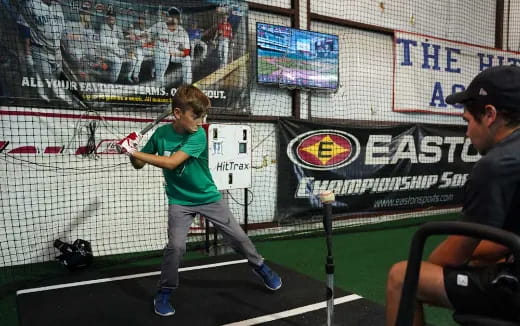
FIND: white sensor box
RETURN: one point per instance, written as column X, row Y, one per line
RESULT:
column 229, row 152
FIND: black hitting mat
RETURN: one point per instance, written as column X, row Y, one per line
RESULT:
column 209, row 296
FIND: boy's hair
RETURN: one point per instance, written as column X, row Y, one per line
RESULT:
column 190, row 97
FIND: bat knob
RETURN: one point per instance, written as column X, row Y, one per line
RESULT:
column 327, row 197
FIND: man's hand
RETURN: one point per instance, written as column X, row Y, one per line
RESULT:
column 128, row 145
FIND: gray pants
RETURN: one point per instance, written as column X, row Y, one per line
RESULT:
column 180, row 219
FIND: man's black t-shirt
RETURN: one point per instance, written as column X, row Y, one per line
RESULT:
column 492, row 191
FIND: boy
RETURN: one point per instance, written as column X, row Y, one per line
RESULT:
column 225, row 37
column 182, row 153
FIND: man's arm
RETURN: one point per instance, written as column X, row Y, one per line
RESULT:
column 488, row 252
column 454, row 251
column 165, row 162
column 103, row 35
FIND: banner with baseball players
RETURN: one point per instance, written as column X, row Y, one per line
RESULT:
column 427, row 69
column 389, row 169
column 105, row 54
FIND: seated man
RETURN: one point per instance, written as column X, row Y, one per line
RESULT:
column 462, row 272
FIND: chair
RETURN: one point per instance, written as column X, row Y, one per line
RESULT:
column 406, row 306
column 476, row 320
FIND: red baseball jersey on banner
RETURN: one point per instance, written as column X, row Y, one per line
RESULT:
column 225, row 30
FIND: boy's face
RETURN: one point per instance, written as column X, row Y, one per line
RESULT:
column 187, row 121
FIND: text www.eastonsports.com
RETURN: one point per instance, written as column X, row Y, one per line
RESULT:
column 415, row 200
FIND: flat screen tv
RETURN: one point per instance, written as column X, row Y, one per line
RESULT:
column 296, row 58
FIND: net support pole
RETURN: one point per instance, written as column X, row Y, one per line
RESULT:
column 206, row 235
column 327, row 198
column 246, row 210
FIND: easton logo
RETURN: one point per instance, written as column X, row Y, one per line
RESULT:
column 325, row 149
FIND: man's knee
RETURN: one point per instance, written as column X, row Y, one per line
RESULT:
column 396, row 275
column 115, row 60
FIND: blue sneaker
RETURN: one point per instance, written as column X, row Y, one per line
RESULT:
column 161, row 303
column 271, row 280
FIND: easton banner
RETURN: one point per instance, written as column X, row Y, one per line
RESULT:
column 102, row 53
column 427, row 69
column 370, row 169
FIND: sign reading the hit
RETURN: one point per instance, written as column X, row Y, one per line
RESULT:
column 427, row 69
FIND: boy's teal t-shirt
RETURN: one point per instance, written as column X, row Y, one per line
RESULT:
column 191, row 182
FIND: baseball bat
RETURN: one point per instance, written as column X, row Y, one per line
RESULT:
column 161, row 117
column 87, row 107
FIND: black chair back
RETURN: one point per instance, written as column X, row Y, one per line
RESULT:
column 409, row 292
column 476, row 320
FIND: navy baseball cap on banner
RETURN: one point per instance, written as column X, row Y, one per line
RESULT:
column 174, row 11
column 498, row 86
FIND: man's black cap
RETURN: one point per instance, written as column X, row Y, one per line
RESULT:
column 498, row 86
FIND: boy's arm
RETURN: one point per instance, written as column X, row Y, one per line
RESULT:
column 137, row 163
column 164, row 162
column 129, row 144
